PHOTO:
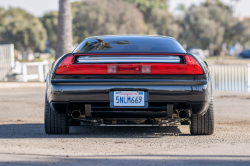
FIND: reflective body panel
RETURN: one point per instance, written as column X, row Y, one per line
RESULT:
column 69, row 92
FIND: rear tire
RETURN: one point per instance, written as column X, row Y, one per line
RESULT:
column 55, row 123
column 203, row 124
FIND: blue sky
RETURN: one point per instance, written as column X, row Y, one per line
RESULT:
column 39, row 7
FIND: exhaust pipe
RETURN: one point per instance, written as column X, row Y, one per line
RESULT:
column 76, row 114
column 183, row 114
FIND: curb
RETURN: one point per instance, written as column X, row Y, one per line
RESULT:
column 6, row 85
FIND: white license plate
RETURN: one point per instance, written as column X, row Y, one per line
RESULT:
column 129, row 98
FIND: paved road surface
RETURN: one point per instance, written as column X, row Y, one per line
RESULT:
column 23, row 141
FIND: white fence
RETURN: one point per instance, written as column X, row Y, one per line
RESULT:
column 6, row 60
column 29, row 71
column 34, row 71
column 231, row 77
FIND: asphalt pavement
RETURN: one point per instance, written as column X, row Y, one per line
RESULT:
column 24, row 142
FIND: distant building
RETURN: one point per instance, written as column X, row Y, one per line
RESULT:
column 240, row 17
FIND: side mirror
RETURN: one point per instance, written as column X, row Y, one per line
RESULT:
column 205, row 63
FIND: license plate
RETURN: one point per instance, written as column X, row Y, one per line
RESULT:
column 129, row 98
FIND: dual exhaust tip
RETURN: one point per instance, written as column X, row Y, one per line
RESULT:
column 76, row 114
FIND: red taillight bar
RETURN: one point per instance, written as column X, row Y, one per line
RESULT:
column 190, row 67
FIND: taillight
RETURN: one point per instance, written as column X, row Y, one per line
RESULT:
column 189, row 67
column 65, row 65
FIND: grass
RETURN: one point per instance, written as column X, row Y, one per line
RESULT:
column 226, row 60
column 228, row 57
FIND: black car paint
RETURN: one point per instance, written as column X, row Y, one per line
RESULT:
column 69, row 92
column 63, row 91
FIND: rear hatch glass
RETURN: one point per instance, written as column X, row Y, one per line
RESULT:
column 128, row 44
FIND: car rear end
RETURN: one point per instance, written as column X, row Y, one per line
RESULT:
column 129, row 88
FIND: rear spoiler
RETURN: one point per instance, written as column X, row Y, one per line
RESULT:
column 128, row 59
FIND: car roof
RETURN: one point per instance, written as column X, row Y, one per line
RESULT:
column 129, row 36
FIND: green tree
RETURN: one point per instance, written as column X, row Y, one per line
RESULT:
column 240, row 32
column 2, row 12
column 163, row 23
column 64, row 29
column 156, row 16
column 212, row 23
column 218, row 3
column 148, row 6
column 181, row 7
column 223, row 15
column 22, row 29
column 105, row 17
column 199, row 30
column 50, row 22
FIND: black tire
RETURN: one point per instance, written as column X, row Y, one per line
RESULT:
column 55, row 123
column 203, row 124
column 74, row 122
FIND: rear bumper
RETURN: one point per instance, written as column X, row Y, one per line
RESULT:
column 61, row 96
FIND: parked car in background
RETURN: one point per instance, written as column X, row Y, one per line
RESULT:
column 206, row 53
column 245, row 54
column 197, row 52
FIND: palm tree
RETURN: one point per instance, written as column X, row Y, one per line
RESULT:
column 64, row 29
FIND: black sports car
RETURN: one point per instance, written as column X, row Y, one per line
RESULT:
column 129, row 80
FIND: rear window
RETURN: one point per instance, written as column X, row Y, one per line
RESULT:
column 129, row 45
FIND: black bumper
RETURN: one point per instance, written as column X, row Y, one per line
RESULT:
column 63, row 96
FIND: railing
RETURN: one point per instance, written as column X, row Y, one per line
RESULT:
column 231, row 77
column 6, row 60
column 34, row 71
